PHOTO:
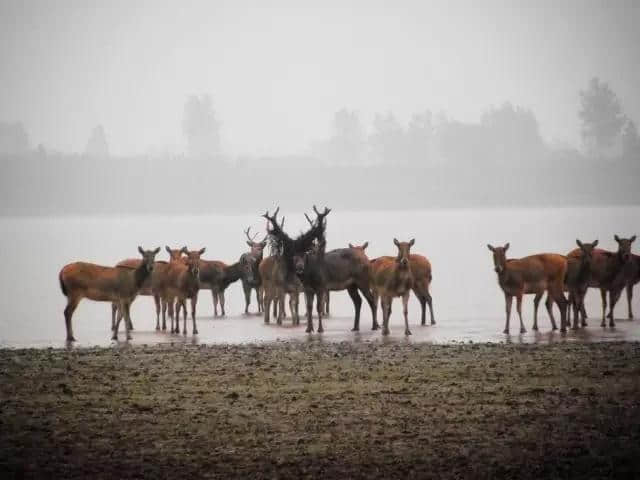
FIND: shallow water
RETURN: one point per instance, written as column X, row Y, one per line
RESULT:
column 468, row 303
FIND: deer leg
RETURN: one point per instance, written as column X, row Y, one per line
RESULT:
column 309, row 299
column 224, row 314
column 430, row 304
column 281, row 299
column 574, row 303
column 177, row 314
column 247, row 296
column 536, row 303
column 508, row 301
column 156, row 300
column 405, row 312
column 127, row 313
column 214, row 297
column 114, row 312
column 549, row 305
column 357, row 304
column 519, row 308
column 326, row 304
column 423, row 307
column 259, row 295
column 386, row 311
column 194, row 302
column 373, row 303
column 562, row 303
column 170, row 308
column 296, row 313
column 267, row 305
column 114, row 335
column 629, row 300
column 580, row 300
column 183, row 303
column 292, row 307
column 163, row 302
column 614, row 296
column 603, row 294
column 276, row 305
column 320, row 309
column 72, row 304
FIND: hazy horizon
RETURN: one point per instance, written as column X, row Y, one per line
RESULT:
column 278, row 72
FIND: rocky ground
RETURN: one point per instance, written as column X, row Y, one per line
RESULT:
column 322, row 410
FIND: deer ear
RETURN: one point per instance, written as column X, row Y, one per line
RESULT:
column 184, row 249
column 350, row 246
column 616, row 238
column 506, row 246
column 249, row 243
column 595, row 243
column 579, row 243
column 155, row 252
column 167, row 249
column 411, row 242
column 490, row 247
column 365, row 245
column 202, row 250
column 395, row 242
column 263, row 243
column 140, row 250
column 632, row 239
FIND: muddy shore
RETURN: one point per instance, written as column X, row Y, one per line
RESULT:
column 341, row 410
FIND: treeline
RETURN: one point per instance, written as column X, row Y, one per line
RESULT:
column 69, row 185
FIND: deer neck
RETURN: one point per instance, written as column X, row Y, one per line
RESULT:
column 232, row 273
column 140, row 274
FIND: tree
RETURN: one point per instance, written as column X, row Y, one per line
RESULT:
column 387, row 142
column 630, row 141
column 201, row 127
column 512, row 133
column 13, row 139
column 347, row 139
column 601, row 115
column 419, row 138
column 97, row 144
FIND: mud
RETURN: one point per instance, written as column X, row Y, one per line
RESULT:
column 334, row 410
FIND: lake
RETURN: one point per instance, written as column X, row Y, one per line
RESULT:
column 468, row 304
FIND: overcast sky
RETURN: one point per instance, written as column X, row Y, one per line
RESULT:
column 278, row 70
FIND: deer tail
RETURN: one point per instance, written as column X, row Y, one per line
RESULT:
column 62, row 287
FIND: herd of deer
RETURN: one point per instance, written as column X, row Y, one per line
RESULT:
column 302, row 265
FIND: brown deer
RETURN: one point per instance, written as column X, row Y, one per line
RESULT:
column 610, row 272
column 151, row 286
column 533, row 274
column 392, row 277
column 253, row 282
column 275, row 287
column 181, row 284
column 576, row 283
column 104, row 284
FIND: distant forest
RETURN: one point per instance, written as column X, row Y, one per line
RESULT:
column 433, row 161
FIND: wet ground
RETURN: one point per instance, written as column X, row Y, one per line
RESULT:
column 322, row 409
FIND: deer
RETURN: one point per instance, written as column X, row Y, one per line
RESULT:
column 311, row 269
column 348, row 269
column 217, row 276
column 182, row 283
column 281, row 276
column 611, row 272
column 253, row 258
column 533, row 274
column 576, row 283
column 276, row 286
column 104, row 284
column 151, row 286
column 390, row 278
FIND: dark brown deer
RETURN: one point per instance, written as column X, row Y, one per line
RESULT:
column 104, row 284
column 282, row 275
column 253, row 282
column 610, row 272
column 311, row 270
column 349, row 269
column 533, row 274
column 576, row 283
column 392, row 277
column 217, row 276
column 181, row 284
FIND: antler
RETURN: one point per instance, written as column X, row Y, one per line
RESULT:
column 308, row 219
column 246, row 232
